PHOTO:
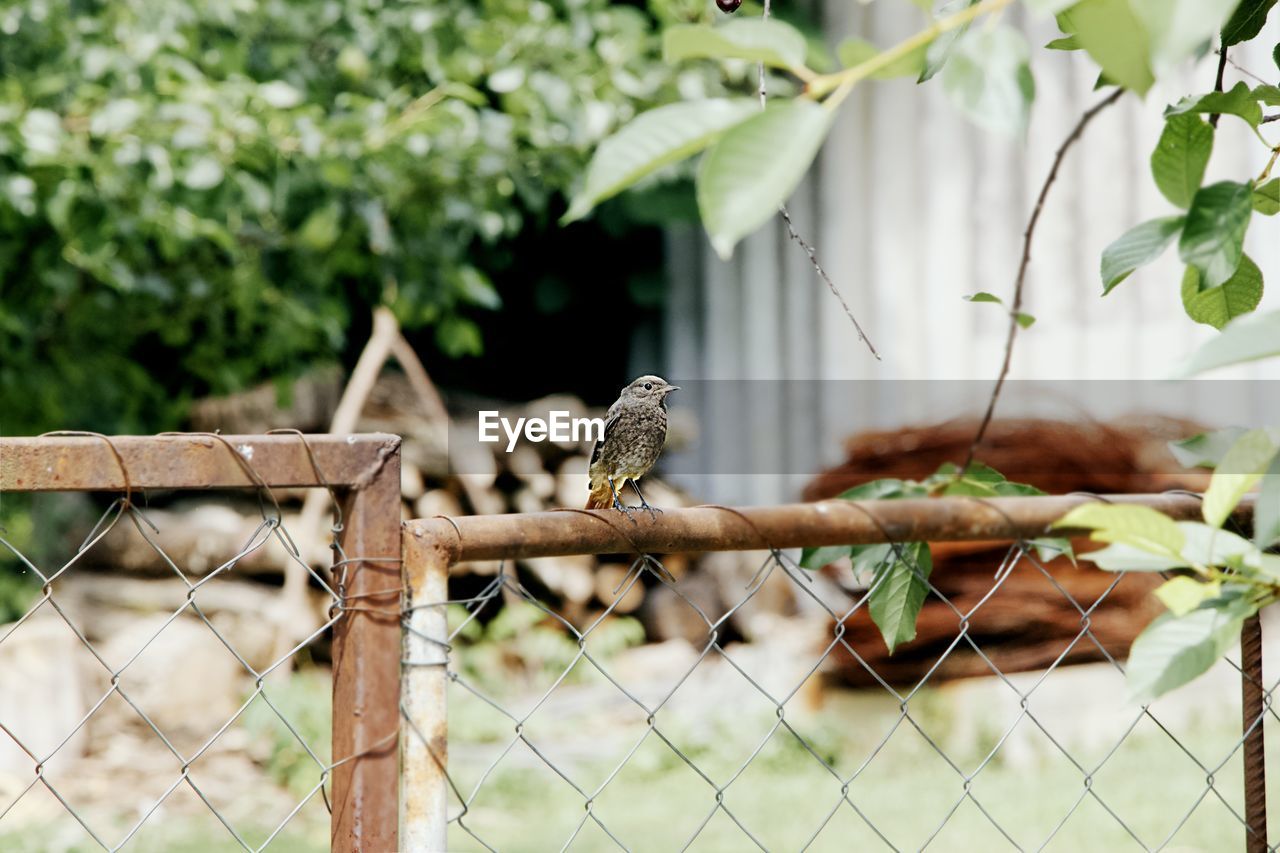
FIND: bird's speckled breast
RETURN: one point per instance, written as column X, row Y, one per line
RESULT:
column 635, row 442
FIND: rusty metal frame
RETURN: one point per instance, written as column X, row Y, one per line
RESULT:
column 364, row 473
column 433, row 545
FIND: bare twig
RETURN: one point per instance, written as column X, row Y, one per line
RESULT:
column 1245, row 71
column 822, row 274
column 1269, row 118
column 804, row 244
column 1217, row 85
column 1027, row 235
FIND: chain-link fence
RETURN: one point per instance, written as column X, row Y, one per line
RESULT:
column 747, row 732
column 768, row 713
column 179, row 711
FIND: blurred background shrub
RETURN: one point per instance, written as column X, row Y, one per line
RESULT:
column 196, row 196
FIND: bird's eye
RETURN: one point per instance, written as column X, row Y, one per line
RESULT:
column 648, row 386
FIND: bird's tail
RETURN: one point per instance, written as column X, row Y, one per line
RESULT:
column 601, row 497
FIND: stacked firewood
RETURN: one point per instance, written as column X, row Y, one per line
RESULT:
column 444, row 472
column 1042, row 611
column 1033, row 619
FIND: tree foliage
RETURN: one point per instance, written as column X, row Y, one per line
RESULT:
column 986, row 74
column 1221, row 577
column 198, row 195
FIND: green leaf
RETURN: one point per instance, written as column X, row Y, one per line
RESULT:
column 322, row 228
column 655, row 139
column 1216, row 306
column 876, row 490
column 1064, row 43
column 1137, row 247
column 1241, row 467
column 816, row 558
column 1115, row 37
column 1269, row 95
column 898, row 592
column 989, row 80
column 1213, row 238
column 1182, row 594
column 1266, row 198
column 1266, row 512
column 1212, row 546
column 1180, row 157
column 755, row 166
column 1246, row 22
column 869, row 558
column 939, row 50
column 1202, row 546
column 1206, row 449
column 769, row 41
column 457, row 336
column 1126, row 558
column 984, row 481
column 1175, row 649
column 1275, row 55
column 1024, row 320
column 1048, row 7
column 1051, row 547
column 1139, row 526
column 983, row 296
column 1238, row 101
column 855, row 51
column 1246, row 338
column 1180, row 29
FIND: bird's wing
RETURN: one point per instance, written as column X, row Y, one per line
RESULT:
column 611, row 420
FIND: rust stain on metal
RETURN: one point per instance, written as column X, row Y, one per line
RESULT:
column 1254, row 705
column 88, row 463
column 424, row 789
column 387, row 451
column 366, row 658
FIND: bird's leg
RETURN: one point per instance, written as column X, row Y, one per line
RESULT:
column 617, row 500
column 654, row 512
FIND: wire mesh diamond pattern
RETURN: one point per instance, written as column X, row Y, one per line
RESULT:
column 710, row 756
column 196, row 763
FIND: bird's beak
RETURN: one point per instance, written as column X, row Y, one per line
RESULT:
column 671, row 388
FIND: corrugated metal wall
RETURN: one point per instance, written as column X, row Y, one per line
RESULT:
column 911, row 208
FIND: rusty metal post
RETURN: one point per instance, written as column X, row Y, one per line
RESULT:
column 366, row 665
column 1253, row 715
column 424, row 739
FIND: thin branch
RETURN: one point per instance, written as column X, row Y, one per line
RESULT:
column 803, row 243
column 1245, row 71
column 1027, row 236
column 822, row 274
column 1217, row 85
column 1270, row 118
column 842, row 82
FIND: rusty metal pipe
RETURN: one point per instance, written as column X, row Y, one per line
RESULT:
column 832, row 522
column 1253, row 708
column 86, row 463
column 366, row 667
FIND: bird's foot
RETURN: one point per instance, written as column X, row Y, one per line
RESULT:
column 653, row 511
column 625, row 510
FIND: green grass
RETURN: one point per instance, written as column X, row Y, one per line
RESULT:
column 657, row 802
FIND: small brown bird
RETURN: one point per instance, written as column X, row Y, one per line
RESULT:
column 635, row 429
